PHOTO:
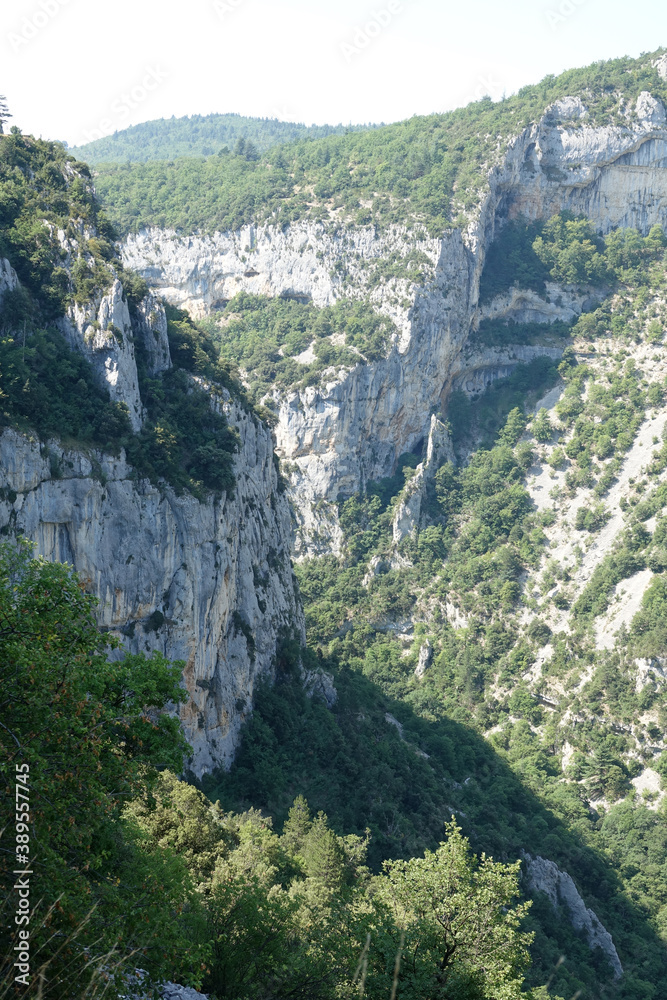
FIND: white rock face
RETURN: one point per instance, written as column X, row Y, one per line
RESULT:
column 320, row 684
column 650, row 672
column 425, row 659
column 8, row 279
column 613, row 174
column 337, row 436
column 102, row 331
column 521, row 305
column 308, row 261
column 151, row 326
column 208, row 583
column 475, row 369
column 545, row 876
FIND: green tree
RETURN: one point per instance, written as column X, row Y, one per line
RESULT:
column 92, row 733
column 541, row 427
column 572, row 251
column 460, row 921
column 4, row 113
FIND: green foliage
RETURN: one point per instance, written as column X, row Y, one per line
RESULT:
column 541, row 427
column 193, row 350
column 591, row 518
column 511, row 260
column 183, row 440
column 423, row 171
column 262, row 336
column 47, row 386
column 201, row 135
column 454, row 911
column 480, row 419
column 92, row 734
column 572, row 252
column 624, row 562
column 566, row 250
column 497, row 333
column 287, row 915
column 42, row 189
column 649, row 626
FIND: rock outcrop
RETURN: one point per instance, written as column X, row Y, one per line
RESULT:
column 150, row 324
column 103, row 332
column 8, row 279
column 545, row 876
column 353, row 427
column 209, row 583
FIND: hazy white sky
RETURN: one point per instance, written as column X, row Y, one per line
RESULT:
column 74, row 69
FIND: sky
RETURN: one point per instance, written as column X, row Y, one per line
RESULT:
column 77, row 69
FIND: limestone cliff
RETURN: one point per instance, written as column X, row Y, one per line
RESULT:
column 544, row 876
column 206, row 582
column 352, row 428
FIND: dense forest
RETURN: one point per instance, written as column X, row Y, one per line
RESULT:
column 201, row 135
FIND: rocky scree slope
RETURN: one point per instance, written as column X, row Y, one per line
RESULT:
column 352, row 427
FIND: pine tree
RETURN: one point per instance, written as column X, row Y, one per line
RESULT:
column 297, row 825
column 4, row 112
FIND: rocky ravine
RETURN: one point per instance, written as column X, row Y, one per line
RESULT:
column 352, row 428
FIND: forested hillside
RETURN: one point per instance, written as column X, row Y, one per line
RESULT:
column 201, row 135
column 424, row 171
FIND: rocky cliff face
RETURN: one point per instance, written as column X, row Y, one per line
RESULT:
column 544, row 876
column 8, row 279
column 208, row 583
column 102, row 331
column 351, row 429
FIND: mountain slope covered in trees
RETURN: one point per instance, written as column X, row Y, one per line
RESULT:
column 201, row 135
column 498, row 665
column 425, row 171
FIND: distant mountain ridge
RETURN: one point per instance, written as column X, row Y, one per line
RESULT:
column 199, row 135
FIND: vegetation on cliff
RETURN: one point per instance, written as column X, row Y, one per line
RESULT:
column 59, row 242
column 264, row 338
column 421, row 172
column 507, row 636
